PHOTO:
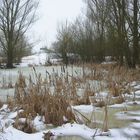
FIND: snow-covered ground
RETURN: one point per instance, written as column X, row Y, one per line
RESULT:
column 8, row 132
column 37, row 59
column 126, row 112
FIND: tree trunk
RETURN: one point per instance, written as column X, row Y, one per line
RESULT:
column 9, row 62
column 135, row 35
column 10, row 58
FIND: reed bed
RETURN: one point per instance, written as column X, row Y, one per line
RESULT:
column 53, row 96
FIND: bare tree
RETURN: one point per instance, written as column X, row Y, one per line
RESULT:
column 97, row 12
column 124, row 20
column 23, row 48
column 16, row 16
column 63, row 41
column 118, row 22
column 135, row 32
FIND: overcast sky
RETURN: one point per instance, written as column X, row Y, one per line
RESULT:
column 50, row 14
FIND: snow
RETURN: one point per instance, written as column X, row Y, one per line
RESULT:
column 132, row 103
column 13, row 115
column 118, row 105
column 115, row 134
column 37, row 59
column 131, row 132
column 135, row 125
column 137, row 87
column 7, row 117
column 137, row 92
column 103, row 94
column 69, row 130
column 84, row 108
column 4, row 107
column 8, row 132
column 74, row 129
column 14, row 134
column 133, row 116
column 134, row 112
column 39, row 124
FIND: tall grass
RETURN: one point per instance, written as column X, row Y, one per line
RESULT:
column 52, row 97
column 37, row 98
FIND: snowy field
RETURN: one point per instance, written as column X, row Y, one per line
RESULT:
column 123, row 119
column 72, row 131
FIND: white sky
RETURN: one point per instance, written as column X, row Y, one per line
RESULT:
column 51, row 13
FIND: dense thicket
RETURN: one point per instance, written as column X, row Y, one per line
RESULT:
column 111, row 28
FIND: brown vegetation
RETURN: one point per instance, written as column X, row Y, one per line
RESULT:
column 53, row 96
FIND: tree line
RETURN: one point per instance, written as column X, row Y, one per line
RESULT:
column 107, row 28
